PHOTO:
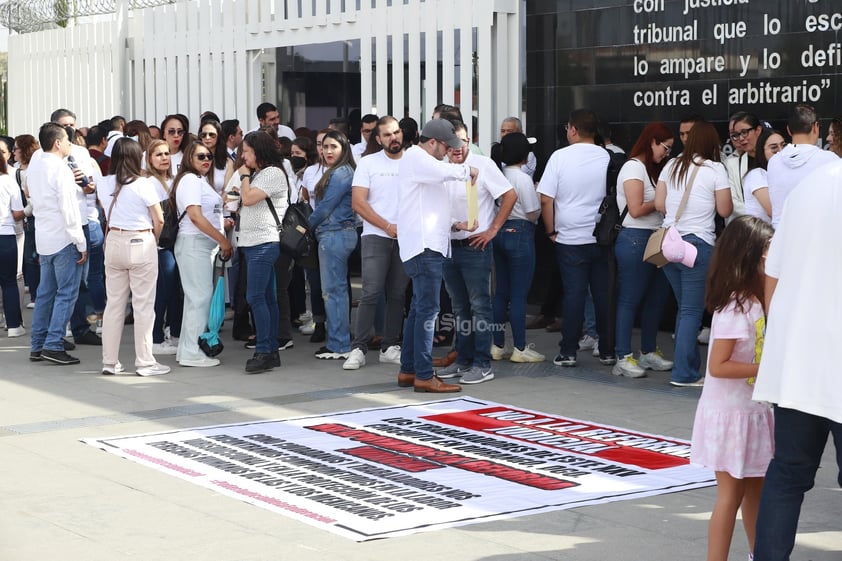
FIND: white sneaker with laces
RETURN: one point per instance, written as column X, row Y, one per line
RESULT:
column 112, row 370
column 163, row 348
column 654, row 361
column 17, row 331
column 355, row 360
column 588, row 342
column 528, row 354
column 153, row 370
column 392, row 355
column 477, row 375
column 499, row 353
column 628, row 367
column 307, row 328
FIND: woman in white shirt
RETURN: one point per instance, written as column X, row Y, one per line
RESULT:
column 134, row 219
column 209, row 134
column 199, row 234
column 11, row 213
column 710, row 193
column 169, row 299
column 640, row 284
column 755, row 185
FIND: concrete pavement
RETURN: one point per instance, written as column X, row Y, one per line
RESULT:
column 65, row 500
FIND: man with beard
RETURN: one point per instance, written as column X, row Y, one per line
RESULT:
column 375, row 198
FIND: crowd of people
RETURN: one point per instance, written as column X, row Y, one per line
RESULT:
column 438, row 228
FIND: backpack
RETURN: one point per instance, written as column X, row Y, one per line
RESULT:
column 609, row 221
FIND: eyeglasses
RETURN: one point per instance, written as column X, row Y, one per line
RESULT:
column 207, row 135
column 175, row 132
column 736, row 135
column 666, row 147
column 204, row 156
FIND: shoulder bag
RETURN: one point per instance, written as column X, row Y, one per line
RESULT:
column 169, row 231
column 609, row 220
column 294, row 232
column 654, row 253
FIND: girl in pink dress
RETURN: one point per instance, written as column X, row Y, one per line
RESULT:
column 732, row 434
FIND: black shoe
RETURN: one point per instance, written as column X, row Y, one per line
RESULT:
column 58, row 357
column 261, row 362
column 251, row 343
column 88, row 338
column 319, row 334
column 326, row 354
column 284, row 344
column 68, row 345
column 276, row 359
column 35, row 356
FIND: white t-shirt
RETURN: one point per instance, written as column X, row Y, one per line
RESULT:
column 175, row 162
column 195, row 190
column 310, row 178
column 379, row 174
column 491, row 184
column 788, row 167
column 699, row 213
column 575, row 179
column 806, row 258
column 754, row 180
column 635, row 169
column 424, row 214
column 527, row 197
column 9, row 200
column 257, row 225
column 131, row 211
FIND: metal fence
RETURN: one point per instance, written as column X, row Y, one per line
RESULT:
column 26, row 16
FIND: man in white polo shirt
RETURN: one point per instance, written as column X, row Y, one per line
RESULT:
column 424, row 228
column 60, row 242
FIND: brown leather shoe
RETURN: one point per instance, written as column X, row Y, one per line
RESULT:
column 539, row 322
column 554, row 327
column 445, row 360
column 435, row 385
column 406, row 379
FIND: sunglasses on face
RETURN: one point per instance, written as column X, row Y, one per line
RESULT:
column 175, row 132
column 207, row 135
column 204, row 157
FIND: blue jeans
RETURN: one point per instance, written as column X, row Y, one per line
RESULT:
column 57, row 293
column 335, row 247
column 640, row 283
column 514, row 264
column 8, row 279
column 467, row 276
column 169, row 299
column 688, row 284
column 800, row 439
column 96, row 267
column 261, row 294
column 425, row 271
column 581, row 267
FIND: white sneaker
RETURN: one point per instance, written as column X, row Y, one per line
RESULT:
column 654, row 361
column 110, row 370
column 596, row 349
column 99, row 326
column 392, row 355
column 704, row 336
column 355, row 360
column 528, row 354
column 499, row 353
column 30, row 306
column 153, row 370
column 587, row 342
column 628, row 367
column 17, row 331
column 203, row 362
column 307, row 328
column 163, row 348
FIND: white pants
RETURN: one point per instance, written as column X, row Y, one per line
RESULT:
column 194, row 255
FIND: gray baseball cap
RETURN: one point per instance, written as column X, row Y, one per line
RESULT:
column 443, row 130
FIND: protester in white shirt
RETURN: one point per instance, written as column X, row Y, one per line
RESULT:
column 11, row 214
column 756, row 183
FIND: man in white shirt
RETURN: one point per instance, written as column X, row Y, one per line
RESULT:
column 803, row 278
column 424, row 227
column 375, row 197
column 788, row 167
column 268, row 116
column 369, row 121
column 571, row 189
column 467, row 274
column 60, row 243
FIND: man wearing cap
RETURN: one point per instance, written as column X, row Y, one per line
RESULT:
column 424, row 227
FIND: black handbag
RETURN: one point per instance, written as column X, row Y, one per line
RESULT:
column 294, row 232
column 169, row 231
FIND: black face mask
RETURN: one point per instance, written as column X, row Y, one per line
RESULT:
column 298, row 163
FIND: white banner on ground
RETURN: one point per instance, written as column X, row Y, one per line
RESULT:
column 389, row 471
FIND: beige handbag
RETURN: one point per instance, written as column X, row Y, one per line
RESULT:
column 654, row 253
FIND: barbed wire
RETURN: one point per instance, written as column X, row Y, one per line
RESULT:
column 26, row 16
